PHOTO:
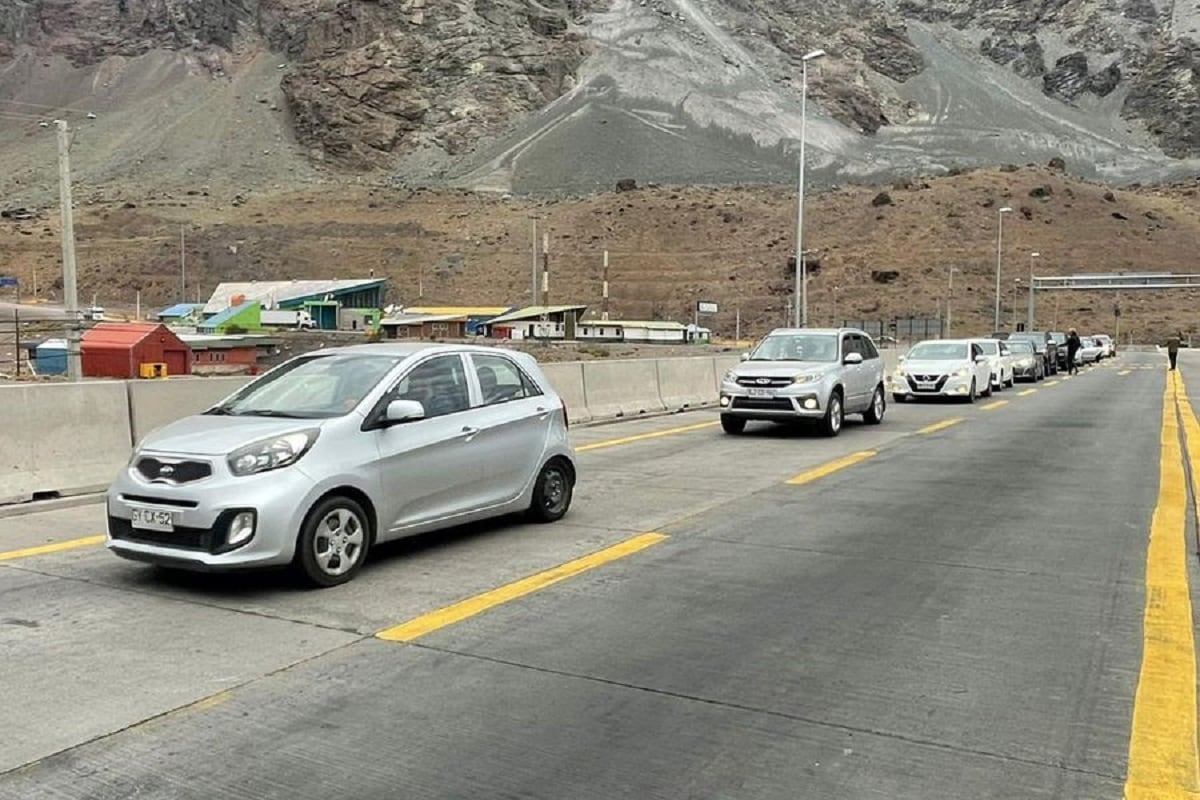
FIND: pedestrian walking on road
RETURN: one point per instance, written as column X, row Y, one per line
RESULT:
column 1073, row 345
column 1173, row 342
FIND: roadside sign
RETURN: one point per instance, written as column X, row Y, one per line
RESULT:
column 6, row 281
column 706, row 307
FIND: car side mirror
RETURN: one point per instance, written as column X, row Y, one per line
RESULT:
column 745, row 356
column 400, row 411
column 901, row 359
column 853, row 358
column 981, row 359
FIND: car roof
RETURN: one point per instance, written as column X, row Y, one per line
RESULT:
column 828, row 331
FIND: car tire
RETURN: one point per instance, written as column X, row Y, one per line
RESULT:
column 971, row 393
column 345, row 546
column 899, row 398
column 835, row 414
column 874, row 413
column 732, row 424
column 1012, row 381
column 553, row 491
column 986, row 392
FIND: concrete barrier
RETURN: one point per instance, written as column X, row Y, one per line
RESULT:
column 61, row 438
column 686, row 382
column 722, row 364
column 621, row 388
column 567, row 380
column 153, row 404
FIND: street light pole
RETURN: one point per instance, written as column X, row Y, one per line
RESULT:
column 835, row 299
column 1016, row 288
column 801, row 307
column 1029, row 320
column 70, row 298
column 999, row 252
column 949, row 297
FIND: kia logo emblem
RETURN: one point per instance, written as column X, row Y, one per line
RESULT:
column 763, row 381
column 166, row 469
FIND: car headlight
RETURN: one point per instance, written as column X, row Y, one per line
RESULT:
column 808, row 378
column 730, row 377
column 273, row 453
column 901, row 372
column 961, row 372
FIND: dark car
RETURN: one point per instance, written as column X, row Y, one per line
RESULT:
column 1060, row 339
column 1044, row 346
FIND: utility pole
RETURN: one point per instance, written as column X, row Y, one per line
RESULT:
column 1029, row 321
column 533, row 292
column 545, row 276
column 604, row 303
column 74, row 370
column 949, row 297
column 737, row 335
column 182, row 266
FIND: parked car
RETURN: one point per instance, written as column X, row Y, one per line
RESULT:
column 999, row 360
column 1106, row 342
column 943, row 368
column 1044, row 346
column 1028, row 364
column 1060, row 342
column 1089, row 350
column 334, row 451
column 806, row 374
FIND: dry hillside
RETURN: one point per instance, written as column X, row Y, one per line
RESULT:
column 668, row 247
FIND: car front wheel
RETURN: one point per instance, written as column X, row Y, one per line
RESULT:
column 732, row 424
column 333, row 542
column 874, row 414
column 835, row 414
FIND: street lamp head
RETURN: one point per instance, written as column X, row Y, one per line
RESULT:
column 811, row 55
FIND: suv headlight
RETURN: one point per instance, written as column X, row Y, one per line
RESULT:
column 961, row 372
column 730, row 377
column 273, row 453
column 808, row 378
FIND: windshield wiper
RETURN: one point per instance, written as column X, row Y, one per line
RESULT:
column 221, row 411
column 266, row 412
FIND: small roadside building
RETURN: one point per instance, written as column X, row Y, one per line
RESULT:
column 181, row 313
column 424, row 326
column 229, row 355
column 130, row 350
column 323, row 299
column 477, row 317
column 538, row 322
column 236, row 319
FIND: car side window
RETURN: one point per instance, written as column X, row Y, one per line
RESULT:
column 868, row 347
column 848, row 345
column 976, row 351
column 500, row 380
column 439, row 384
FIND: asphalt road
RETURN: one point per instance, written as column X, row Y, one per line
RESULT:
column 30, row 313
column 949, row 605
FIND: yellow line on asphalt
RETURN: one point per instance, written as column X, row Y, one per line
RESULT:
column 1051, row 383
column 994, row 405
column 833, row 466
column 1163, row 758
column 1027, row 392
column 643, row 436
column 940, row 426
column 1124, row 372
column 57, row 547
column 465, row 609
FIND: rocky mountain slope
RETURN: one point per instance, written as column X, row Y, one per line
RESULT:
column 552, row 95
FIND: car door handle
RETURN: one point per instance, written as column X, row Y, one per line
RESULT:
column 543, row 412
column 468, row 432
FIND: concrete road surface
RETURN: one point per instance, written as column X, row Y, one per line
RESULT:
column 30, row 313
column 949, row 605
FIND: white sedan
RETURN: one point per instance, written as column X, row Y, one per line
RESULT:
column 1090, row 350
column 943, row 368
column 1000, row 360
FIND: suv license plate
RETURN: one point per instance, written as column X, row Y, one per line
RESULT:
column 148, row 519
column 755, row 392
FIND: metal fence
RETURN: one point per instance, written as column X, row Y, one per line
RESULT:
column 899, row 328
column 18, row 336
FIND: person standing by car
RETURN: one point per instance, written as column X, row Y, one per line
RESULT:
column 1173, row 342
column 1073, row 345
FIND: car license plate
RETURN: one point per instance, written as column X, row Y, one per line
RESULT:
column 756, row 392
column 926, row 387
column 149, row 519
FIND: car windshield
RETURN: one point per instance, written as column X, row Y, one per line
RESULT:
column 991, row 348
column 1020, row 347
column 938, row 351
column 311, row 387
column 797, row 347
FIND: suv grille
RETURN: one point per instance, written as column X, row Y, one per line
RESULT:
column 764, row 403
column 763, row 381
column 153, row 469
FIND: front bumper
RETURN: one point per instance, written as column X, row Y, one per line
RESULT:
column 1027, row 371
column 200, row 515
column 777, row 403
column 942, row 386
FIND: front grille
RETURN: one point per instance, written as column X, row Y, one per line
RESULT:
column 751, row 380
column 160, row 501
column 201, row 539
column 763, row 403
column 939, row 381
column 156, row 470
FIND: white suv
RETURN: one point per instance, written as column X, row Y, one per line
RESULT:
column 798, row 374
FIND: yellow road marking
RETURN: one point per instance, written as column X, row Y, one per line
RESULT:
column 993, row 406
column 1051, row 383
column 1163, row 758
column 940, row 426
column 1027, row 392
column 443, row 617
column 833, row 466
column 1124, row 372
column 57, row 547
column 643, row 436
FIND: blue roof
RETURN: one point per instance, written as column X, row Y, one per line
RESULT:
column 180, row 309
column 225, row 316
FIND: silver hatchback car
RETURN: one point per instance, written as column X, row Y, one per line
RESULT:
column 334, row 451
column 806, row 374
